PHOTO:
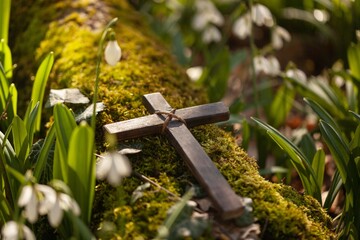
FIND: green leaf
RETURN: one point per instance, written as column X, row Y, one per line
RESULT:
column 300, row 162
column 307, row 146
column 281, row 105
column 38, row 90
column 4, row 19
column 335, row 187
column 20, row 139
column 30, row 122
column 44, row 153
column 64, row 125
column 81, row 163
column 6, row 58
column 338, row 149
column 170, row 221
column 318, row 165
column 322, row 113
column 356, row 115
column 4, row 90
column 354, row 60
column 13, row 103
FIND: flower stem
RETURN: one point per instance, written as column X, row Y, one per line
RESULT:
column 99, row 59
column 252, row 65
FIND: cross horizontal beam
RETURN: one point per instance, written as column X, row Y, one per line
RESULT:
column 152, row 124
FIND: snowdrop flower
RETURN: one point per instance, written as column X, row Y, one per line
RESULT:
column 261, row 65
column 279, row 35
column 269, row 65
column 242, row 26
column 211, row 34
column 296, row 74
column 63, row 202
column 206, row 14
column 113, row 166
column 273, row 66
column 14, row 231
column 37, row 199
column 194, row 73
column 261, row 15
column 112, row 51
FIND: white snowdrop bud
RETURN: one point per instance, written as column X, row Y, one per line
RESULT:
column 112, row 53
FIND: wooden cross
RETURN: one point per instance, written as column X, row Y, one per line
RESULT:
column 165, row 119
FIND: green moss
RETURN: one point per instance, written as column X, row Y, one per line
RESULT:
column 146, row 67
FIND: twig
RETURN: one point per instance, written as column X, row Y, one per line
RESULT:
column 155, row 184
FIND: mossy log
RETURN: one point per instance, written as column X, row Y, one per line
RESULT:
column 72, row 29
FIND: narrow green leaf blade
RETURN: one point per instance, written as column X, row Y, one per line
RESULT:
column 322, row 113
column 281, row 105
column 44, row 152
column 38, row 90
column 298, row 159
column 318, row 165
column 334, row 189
column 64, row 126
column 6, row 58
column 4, row 19
column 81, row 162
column 354, row 60
column 19, row 134
column 338, row 149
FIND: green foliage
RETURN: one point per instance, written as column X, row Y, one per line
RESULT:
column 81, row 168
column 38, row 89
column 4, row 19
column 300, row 161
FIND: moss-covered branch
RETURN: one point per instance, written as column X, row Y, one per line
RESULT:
column 72, row 31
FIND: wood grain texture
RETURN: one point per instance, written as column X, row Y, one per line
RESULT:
column 224, row 198
column 152, row 124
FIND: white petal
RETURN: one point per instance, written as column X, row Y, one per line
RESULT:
column 296, row 74
column 75, row 208
column 10, row 231
column 274, row 66
column 242, row 26
column 112, row 53
column 261, row 15
column 121, row 164
column 194, row 73
column 25, row 195
column 199, row 22
column 114, row 178
column 31, row 211
column 211, row 34
column 48, row 200
column 103, row 166
column 56, row 214
column 28, row 234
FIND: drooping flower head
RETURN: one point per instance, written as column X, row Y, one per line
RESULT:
column 112, row 52
column 14, row 231
column 113, row 166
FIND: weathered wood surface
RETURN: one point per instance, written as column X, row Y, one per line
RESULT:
column 224, row 198
column 152, row 124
